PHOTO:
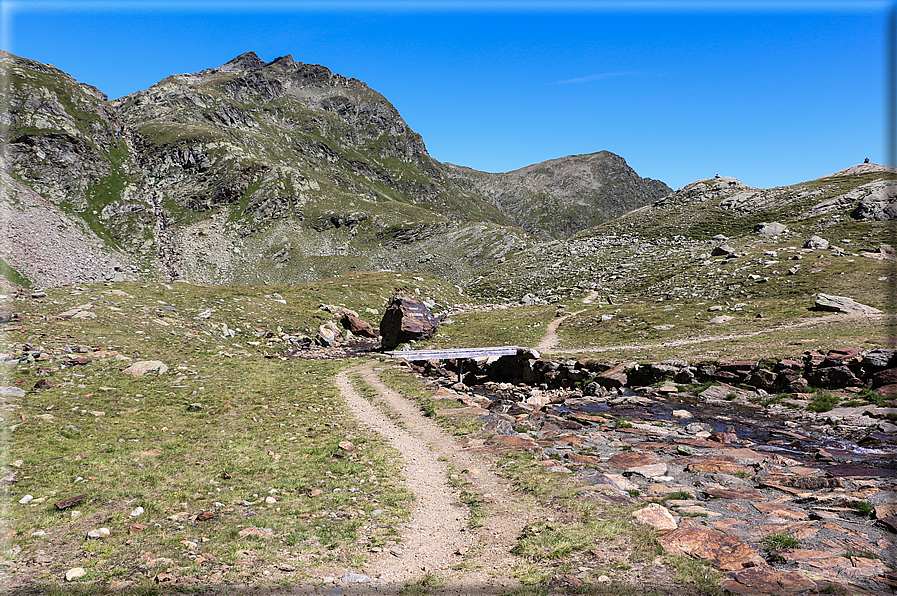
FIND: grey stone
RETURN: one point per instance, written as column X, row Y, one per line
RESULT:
column 770, row 229
column 816, row 242
column 844, row 305
column 356, row 578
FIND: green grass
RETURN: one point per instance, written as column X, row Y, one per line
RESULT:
column 779, row 541
column 697, row 575
column 520, row 326
column 679, row 495
column 823, row 401
column 865, row 508
column 423, row 585
column 13, row 276
column 542, row 540
column 267, row 427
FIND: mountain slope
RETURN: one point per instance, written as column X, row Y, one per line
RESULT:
column 562, row 196
column 666, row 251
column 259, row 172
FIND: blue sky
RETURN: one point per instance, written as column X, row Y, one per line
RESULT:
column 773, row 93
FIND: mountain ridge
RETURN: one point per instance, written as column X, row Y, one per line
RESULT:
column 278, row 158
column 258, row 172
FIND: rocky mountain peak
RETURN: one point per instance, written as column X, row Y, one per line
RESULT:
column 248, row 61
column 284, row 61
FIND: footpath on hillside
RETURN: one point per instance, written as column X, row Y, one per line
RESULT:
column 438, row 538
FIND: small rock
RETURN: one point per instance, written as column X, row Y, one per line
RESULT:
column 649, row 471
column 816, row 242
column 355, row 578
column 720, row 319
column 74, row 573
column 137, row 512
column 656, row 515
column 683, row 414
column 66, row 503
column 843, row 304
column 26, row 499
column 725, row 551
column 138, row 369
column 194, row 407
column 770, row 229
column 99, row 533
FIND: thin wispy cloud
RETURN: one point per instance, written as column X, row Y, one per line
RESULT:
column 602, row 76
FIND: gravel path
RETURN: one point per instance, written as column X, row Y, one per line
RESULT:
column 438, row 536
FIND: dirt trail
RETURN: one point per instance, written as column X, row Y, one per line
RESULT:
column 550, row 340
column 591, row 297
column 823, row 320
column 438, row 535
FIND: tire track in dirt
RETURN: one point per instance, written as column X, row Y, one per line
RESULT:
column 439, row 527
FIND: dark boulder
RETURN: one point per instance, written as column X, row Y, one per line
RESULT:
column 879, row 358
column 406, row 319
column 790, row 381
column 842, row 357
column 833, row 377
column 763, row 379
column 884, row 377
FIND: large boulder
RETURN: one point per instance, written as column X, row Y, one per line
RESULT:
column 406, row 319
column 770, row 229
column 844, row 305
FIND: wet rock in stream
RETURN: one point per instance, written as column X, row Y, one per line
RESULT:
column 739, row 468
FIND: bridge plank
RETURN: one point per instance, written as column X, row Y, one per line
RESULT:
column 455, row 353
